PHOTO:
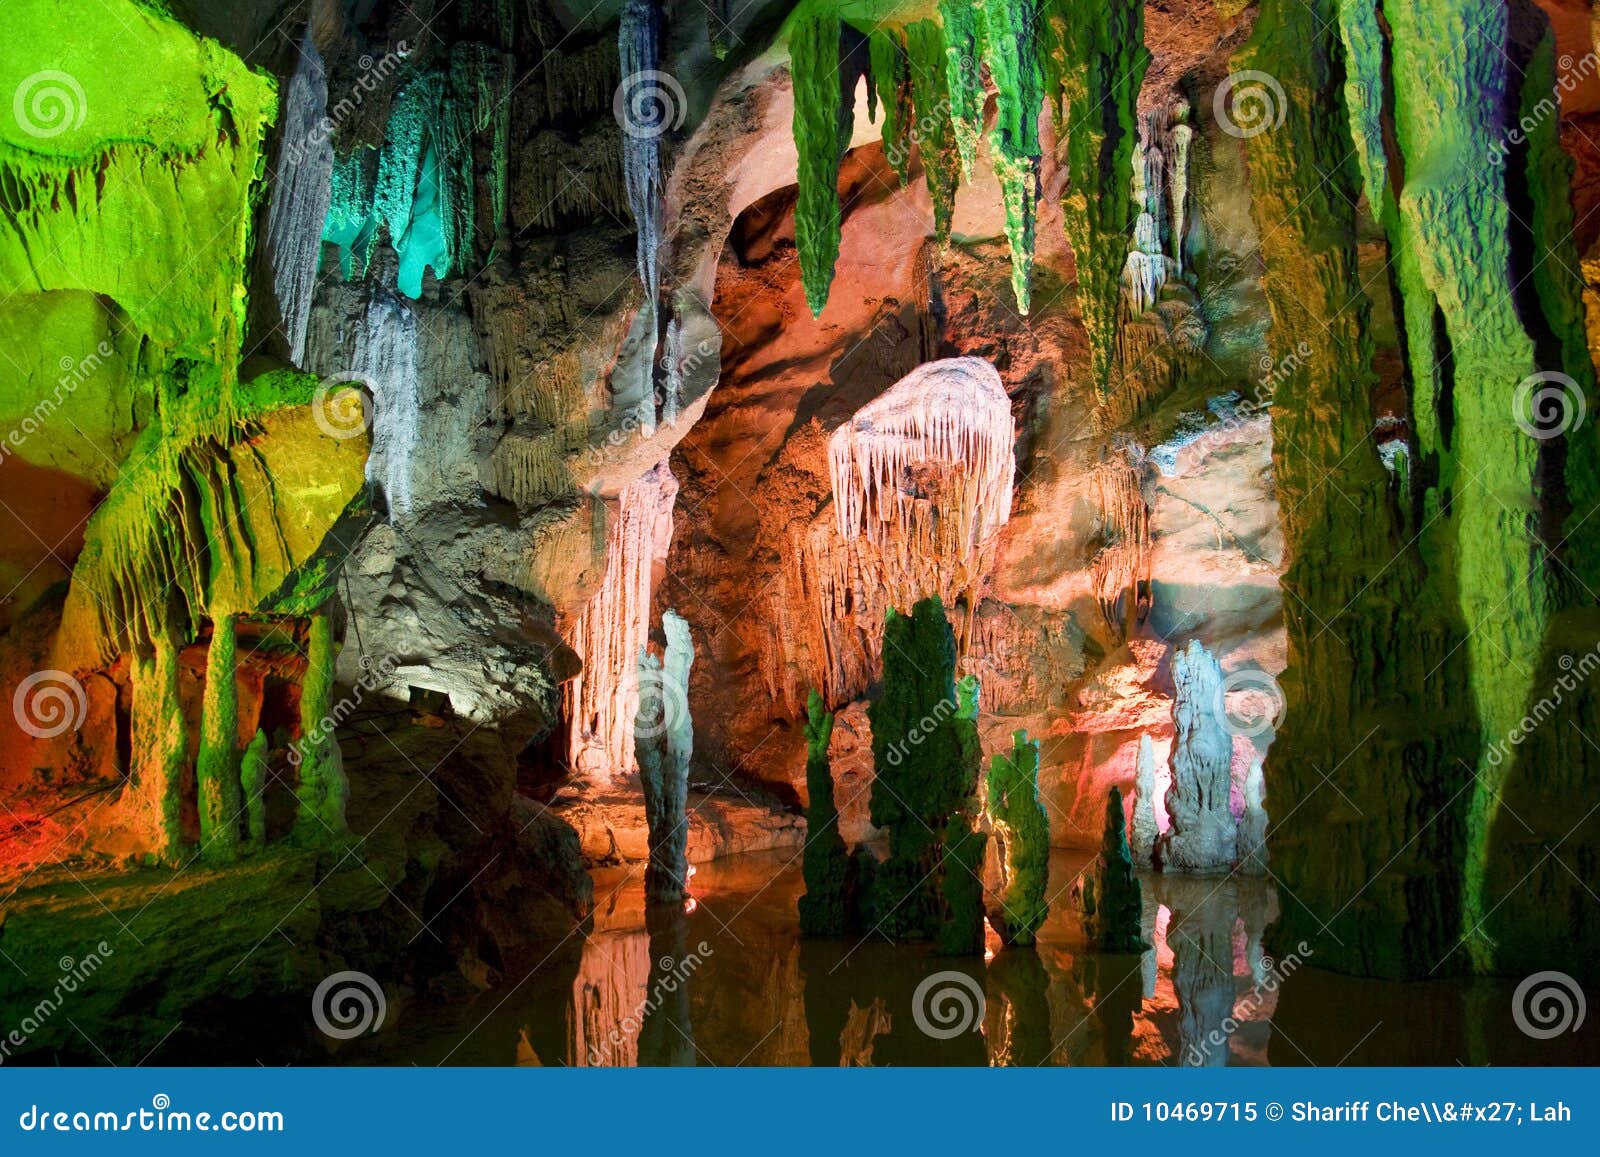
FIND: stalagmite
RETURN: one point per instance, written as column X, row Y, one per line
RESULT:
column 611, row 630
column 217, row 763
column 300, row 195
column 1203, row 836
column 1142, row 838
column 1253, row 824
column 951, row 414
column 253, row 782
column 159, row 749
column 1113, row 900
column 664, row 742
column 1022, row 833
column 323, row 789
column 825, row 907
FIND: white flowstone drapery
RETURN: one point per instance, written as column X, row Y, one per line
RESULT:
column 300, row 197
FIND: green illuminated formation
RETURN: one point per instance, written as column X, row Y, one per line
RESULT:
column 925, row 758
column 218, row 762
column 1012, row 54
column 825, row 907
column 934, row 133
column 963, row 81
column 1022, row 831
column 1112, row 898
column 323, row 789
column 253, row 783
column 1094, row 59
column 823, row 121
column 420, row 189
column 892, row 86
column 81, row 148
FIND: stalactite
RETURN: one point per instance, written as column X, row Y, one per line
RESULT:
column 1203, row 836
column 891, row 80
column 602, row 702
column 824, row 118
column 1147, row 267
column 934, row 131
column 639, row 54
column 1011, row 51
column 323, row 790
column 300, row 195
column 1094, row 61
column 963, row 79
column 1121, row 568
column 383, row 354
column 217, row 765
column 1182, row 137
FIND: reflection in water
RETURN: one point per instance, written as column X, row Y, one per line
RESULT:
column 731, row 983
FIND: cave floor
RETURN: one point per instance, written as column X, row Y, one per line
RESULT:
column 731, row 983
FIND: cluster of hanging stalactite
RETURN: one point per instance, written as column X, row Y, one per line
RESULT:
column 419, row 189
column 922, row 482
column 1160, row 193
column 933, row 80
column 1121, row 568
column 601, row 703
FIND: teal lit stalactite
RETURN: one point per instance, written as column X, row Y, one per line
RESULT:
column 1022, row 833
column 823, row 121
column 1114, row 901
column 323, row 790
column 217, row 763
column 1093, row 59
column 824, row 909
column 933, row 129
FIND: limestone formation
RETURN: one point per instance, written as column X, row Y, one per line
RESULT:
column 825, row 907
column 1202, row 837
column 1022, row 833
column 1112, row 898
column 1253, row 823
column 1144, row 833
column 664, row 742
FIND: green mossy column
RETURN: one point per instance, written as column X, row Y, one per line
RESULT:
column 1022, row 830
column 1118, row 903
column 824, row 909
column 217, row 765
column 323, row 790
column 253, row 782
column 1371, row 870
